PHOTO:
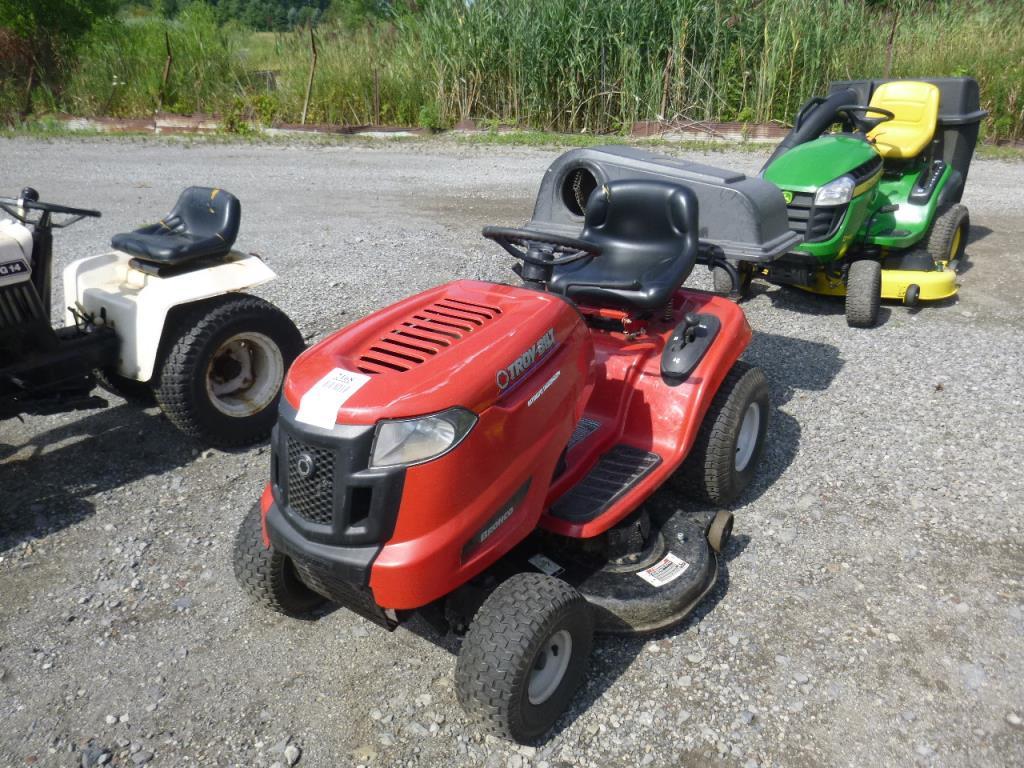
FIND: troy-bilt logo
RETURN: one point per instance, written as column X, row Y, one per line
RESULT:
column 9, row 268
column 536, row 351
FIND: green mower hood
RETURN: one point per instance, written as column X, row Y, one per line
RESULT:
column 809, row 166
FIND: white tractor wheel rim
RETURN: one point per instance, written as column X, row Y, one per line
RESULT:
column 244, row 375
column 747, row 440
column 549, row 667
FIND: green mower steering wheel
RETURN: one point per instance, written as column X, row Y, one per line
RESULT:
column 855, row 114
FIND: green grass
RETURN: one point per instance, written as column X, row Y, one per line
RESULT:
column 569, row 66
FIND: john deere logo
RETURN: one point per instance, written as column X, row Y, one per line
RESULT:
column 787, row 196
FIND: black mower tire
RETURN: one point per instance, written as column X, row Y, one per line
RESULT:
column 130, row 390
column 720, row 531
column 268, row 576
column 722, row 282
column 943, row 235
column 709, row 472
column 505, row 642
column 863, row 293
column 192, row 339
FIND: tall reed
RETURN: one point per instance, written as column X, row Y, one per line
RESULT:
column 566, row 65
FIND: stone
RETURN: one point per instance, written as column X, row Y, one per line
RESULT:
column 292, row 753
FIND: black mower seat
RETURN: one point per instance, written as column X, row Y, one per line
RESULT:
column 204, row 222
column 648, row 233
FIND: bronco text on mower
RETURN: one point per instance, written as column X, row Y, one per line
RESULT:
column 482, row 453
column 878, row 205
column 161, row 315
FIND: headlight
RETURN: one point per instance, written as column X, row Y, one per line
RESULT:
column 838, row 192
column 411, row 441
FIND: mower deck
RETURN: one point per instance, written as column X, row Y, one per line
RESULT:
column 636, row 594
column 934, row 285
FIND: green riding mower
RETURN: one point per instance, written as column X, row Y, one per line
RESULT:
column 877, row 205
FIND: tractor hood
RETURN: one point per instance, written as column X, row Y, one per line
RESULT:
column 807, row 167
column 467, row 344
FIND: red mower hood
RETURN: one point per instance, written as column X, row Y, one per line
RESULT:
column 466, row 344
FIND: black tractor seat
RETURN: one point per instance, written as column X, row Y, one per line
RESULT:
column 203, row 223
column 648, row 234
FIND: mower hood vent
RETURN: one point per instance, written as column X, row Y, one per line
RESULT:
column 866, row 170
column 423, row 334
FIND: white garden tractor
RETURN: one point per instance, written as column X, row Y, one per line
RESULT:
column 162, row 316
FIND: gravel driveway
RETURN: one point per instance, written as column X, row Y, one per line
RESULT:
column 871, row 610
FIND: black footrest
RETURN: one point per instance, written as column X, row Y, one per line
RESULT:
column 614, row 474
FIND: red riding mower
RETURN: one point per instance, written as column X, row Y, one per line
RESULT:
column 481, row 454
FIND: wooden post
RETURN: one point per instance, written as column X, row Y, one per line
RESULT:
column 167, row 72
column 312, row 71
column 28, row 91
column 888, row 47
column 376, row 96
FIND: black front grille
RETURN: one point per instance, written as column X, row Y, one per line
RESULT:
column 813, row 223
column 311, row 482
column 19, row 304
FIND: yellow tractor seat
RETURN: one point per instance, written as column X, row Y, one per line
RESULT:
column 916, row 107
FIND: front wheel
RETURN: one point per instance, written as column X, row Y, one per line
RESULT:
column 863, row 293
column 724, row 458
column 267, row 576
column 524, row 656
column 221, row 378
column 947, row 240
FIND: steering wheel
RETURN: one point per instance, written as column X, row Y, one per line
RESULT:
column 542, row 248
column 856, row 114
column 10, row 206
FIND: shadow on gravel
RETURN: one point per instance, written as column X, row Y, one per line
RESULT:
column 807, row 303
column 45, row 489
column 977, row 233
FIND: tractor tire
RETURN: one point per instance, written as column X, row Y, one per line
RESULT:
column 524, row 656
column 268, row 576
column 724, row 457
column 226, row 360
column 130, row 390
column 947, row 239
column 722, row 282
column 863, row 293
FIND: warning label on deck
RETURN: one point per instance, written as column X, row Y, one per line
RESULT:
column 666, row 570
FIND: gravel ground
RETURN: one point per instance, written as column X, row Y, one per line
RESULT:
column 871, row 610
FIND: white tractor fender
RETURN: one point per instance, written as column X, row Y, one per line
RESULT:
column 135, row 304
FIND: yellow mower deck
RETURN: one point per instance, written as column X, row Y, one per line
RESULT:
column 933, row 284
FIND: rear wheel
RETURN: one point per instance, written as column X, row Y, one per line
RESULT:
column 947, row 239
column 524, row 656
column 268, row 576
column 863, row 293
column 221, row 378
column 724, row 457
